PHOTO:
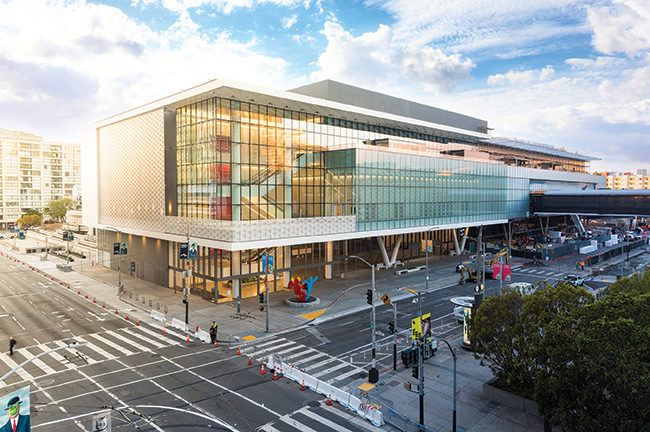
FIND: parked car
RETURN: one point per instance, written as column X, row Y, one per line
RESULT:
column 459, row 314
column 574, row 280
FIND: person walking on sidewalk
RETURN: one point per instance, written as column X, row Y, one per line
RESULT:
column 12, row 342
column 213, row 331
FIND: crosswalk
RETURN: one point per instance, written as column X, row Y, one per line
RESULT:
column 321, row 418
column 537, row 271
column 323, row 366
column 102, row 346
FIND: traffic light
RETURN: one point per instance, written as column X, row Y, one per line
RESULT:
column 261, row 297
column 414, row 372
column 369, row 296
column 391, row 327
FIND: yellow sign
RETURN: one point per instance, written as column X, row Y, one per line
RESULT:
column 386, row 299
column 416, row 328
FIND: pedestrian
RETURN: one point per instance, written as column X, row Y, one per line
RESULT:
column 582, row 265
column 213, row 331
column 12, row 342
column 577, row 265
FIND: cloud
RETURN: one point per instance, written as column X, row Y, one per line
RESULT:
column 519, row 78
column 621, row 27
column 375, row 58
column 225, row 7
column 288, row 22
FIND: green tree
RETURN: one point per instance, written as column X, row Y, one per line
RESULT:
column 597, row 375
column 30, row 220
column 508, row 330
column 636, row 284
column 57, row 209
column 32, row 212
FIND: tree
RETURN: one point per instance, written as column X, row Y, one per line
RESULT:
column 30, row 220
column 508, row 329
column 57, row 209
column 598, row 369
column 636, row 284
column 32, row 212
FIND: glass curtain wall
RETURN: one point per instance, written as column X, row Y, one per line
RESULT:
column 241, row 161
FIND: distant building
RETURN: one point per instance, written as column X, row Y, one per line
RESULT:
column 35, row 172
column 617, row 180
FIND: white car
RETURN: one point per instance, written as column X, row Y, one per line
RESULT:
column 459, row 314
column 574, row 280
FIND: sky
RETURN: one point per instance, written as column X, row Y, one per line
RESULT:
column 574, row 74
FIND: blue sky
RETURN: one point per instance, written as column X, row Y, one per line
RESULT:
column 571, row 73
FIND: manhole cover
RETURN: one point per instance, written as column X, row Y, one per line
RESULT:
column 46, row 382
column 313, row 404
column 155, row 355
column 123, row 392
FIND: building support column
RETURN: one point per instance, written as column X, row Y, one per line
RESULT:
column 455, row 238
column 384, row 254
column 329, row 250
column 398, row 243
column 464, row 240
column 235, row 268
column 286, row 250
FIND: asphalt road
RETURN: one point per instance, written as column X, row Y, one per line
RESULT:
column 149, row 380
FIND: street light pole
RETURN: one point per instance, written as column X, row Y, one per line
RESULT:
column 373, row 375
column 72, row 345
column 119, row 259
column 453, row 352
column 420, row 358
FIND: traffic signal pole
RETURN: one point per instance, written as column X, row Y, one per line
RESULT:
column 394, row 336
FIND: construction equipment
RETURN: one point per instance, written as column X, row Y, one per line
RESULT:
column 466, row 274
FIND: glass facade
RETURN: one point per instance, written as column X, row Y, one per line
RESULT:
column 242, row 161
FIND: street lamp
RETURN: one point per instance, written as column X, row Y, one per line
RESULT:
column 427, row 249
column 72, row 345
column 373, row 374
column 453, row 352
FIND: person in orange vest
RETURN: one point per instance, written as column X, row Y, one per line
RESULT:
column 577, row 265
column 582, row 265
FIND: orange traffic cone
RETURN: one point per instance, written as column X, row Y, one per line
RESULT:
column 164, row 330
column 262, row 371
column 104, row 305
column 86, row 295
column 137, row 322
column 215, row 344
column 188, row 338
column 116, row 311
column 238, row 351
column 329, row 400
column 275, row 375
column 94, row 300
column 302, row 386
column 127, row 317
column 250, row 362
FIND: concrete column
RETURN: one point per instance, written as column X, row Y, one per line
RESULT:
column 329, row 249
column 286, row 250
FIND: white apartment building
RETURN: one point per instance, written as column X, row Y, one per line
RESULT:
column 617, row 180
column 34, row 172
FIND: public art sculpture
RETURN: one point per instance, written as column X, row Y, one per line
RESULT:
column 302, row 289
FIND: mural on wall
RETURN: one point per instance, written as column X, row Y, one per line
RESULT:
column 302, row 289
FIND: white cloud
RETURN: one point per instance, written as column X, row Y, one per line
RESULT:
column 288, row 22
column 519, row 78
column 623, row 27
column 223, row 6
column 374, row 59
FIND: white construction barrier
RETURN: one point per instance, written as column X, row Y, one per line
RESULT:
column 158, row 316
column 202, row 335
column 178, row 324
column 365, row 410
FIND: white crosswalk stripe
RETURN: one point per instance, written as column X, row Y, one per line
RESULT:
column 131, row 343
column 330, row 370
column 104, row 341
column 56, row 356
column 12, row 365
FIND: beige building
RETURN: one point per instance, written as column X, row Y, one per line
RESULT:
column 617, row 180
column 34, row 172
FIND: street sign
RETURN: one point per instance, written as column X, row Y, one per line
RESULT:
column 183, row 251
column 386, row 299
